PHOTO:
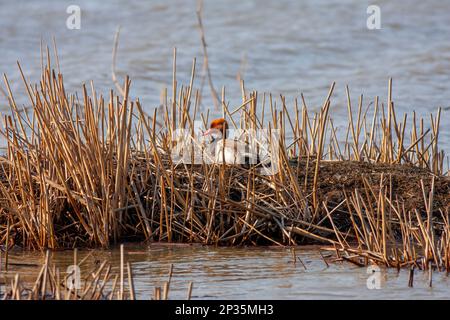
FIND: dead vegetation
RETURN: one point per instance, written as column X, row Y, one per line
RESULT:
column 102, row 282
column 91, row 170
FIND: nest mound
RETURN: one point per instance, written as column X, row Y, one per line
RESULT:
column 92, row 172
column 406, row 182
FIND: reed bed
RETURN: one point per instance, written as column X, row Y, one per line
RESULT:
column 100, row 283
column 91, row 170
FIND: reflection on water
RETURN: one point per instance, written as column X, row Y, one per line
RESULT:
column 289, row 47
column 246, row 273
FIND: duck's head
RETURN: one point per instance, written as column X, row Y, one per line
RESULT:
column 218, row 129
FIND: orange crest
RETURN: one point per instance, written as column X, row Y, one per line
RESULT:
column 219, row 124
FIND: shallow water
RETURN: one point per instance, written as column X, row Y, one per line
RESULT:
column 246, row 273
column 285, row 46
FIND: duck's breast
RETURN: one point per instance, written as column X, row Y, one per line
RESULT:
column 230, row 151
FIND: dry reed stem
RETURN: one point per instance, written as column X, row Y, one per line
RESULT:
column 97, row 170
column 48, row 285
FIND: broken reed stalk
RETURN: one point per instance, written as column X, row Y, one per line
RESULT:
column 206, row 68
column 323, row 117
column 121, row 294
column 50, row 286
column 130, row 282
column 91, row 170
column 7, row 245
column 191, row 286
column 411, row 277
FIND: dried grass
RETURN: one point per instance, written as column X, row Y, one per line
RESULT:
column 98, row 170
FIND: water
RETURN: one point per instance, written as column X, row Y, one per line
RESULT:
column 285, row 47
column 244, row 273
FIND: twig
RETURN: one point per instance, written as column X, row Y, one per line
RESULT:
column 113, row 66
column 205, row 55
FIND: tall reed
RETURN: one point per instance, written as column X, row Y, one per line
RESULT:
column 95, row 170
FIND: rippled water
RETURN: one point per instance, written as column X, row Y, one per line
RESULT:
column 285, row 46
column 246, row 273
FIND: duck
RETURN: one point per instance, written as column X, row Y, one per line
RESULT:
column 223, row 150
